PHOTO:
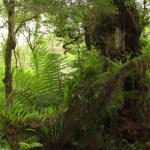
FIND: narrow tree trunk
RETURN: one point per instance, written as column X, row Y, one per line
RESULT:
column 10, row 46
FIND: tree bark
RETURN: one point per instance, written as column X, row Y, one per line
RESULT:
column 14, row 142
column 128, row 21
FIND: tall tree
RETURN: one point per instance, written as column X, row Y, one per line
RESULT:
column 10, row 6
column 117, row 36
column 10, row 45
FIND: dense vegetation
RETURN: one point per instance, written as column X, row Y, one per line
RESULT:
column 74, row 75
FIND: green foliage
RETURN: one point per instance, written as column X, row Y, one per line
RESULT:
column 26, row 146
column 128, row 146
column 115, row 103
column 145, row 38
column 44, row 82
column 49, row 83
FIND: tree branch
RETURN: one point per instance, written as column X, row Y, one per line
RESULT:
column 2, row 9
column 65, row 46
column 24, row 21
column 4, row 24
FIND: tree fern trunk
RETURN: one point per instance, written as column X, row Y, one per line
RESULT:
column 14, row 142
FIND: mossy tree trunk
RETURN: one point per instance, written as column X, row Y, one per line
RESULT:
column 10, row 46
column 128, row 22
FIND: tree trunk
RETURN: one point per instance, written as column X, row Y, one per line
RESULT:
column 14, row 142
column 10, row 46
column 128, row 22
column 129, row 119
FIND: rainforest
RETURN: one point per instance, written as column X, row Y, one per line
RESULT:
column 74, row 74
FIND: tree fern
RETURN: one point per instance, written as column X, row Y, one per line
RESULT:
column 45, row 87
